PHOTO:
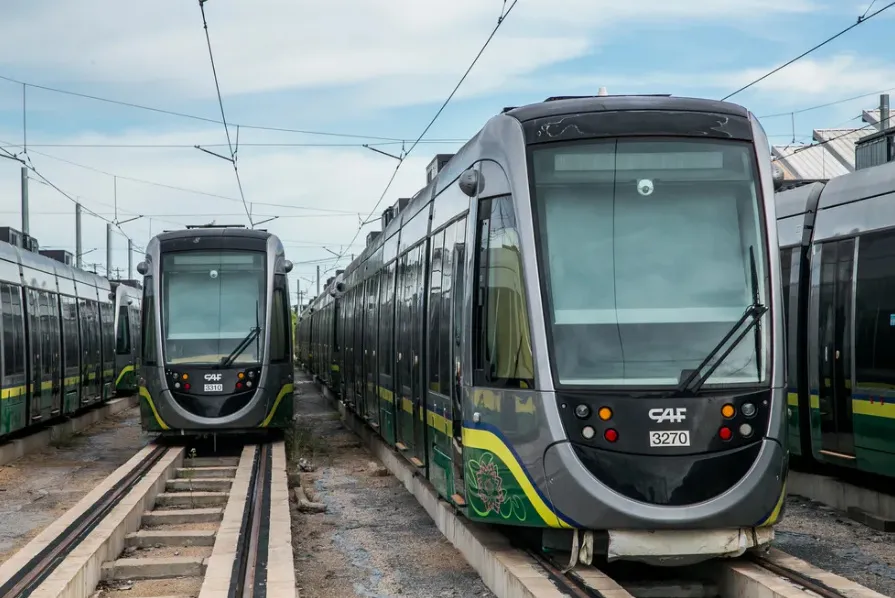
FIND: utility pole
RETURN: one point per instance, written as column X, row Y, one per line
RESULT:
column 883, row 112
column 109, row 249
column 130, row 259
column 318, row 279
column 78, row 249
column 25, row 219
column 297, row 293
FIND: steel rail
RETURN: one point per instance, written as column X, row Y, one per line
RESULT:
column 23, row 583
column 809, row 583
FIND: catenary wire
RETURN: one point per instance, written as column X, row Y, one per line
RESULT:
column 500, row 21
column 860, row 21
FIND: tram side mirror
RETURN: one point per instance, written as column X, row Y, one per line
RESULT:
column 287, row 266
column 112, row 296
column 778, row 176
column 142, row 268
column 340, row 287
column 471, row 182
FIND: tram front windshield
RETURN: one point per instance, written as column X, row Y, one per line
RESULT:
column 646, row 248
column 211, row 301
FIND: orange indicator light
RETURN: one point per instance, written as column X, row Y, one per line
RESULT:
column 728, row 411
column 605, row 413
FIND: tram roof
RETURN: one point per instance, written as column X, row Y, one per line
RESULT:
column 572, row 105
column 216, row 231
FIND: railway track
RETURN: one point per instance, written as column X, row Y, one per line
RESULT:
column 169, row 526
column 751, row 575
column 512, row 571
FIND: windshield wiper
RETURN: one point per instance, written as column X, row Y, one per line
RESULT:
column 245, row 342
column 752, row 313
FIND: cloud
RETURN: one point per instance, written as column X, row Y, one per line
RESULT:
column 327, row 179
column 394, row 48
column 805, row 81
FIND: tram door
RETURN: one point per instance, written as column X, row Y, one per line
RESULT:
column 835, row 335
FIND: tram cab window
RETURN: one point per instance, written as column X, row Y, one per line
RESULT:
column 149, row 346
column 211, row 300
column 875, row 312
column 646, row 249
column 279, row 322
column 123, row 337
column 502, row 350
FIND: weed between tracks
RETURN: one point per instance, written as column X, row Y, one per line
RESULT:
column 302, row 442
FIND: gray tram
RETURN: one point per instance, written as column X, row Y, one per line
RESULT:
column 217, row 347
column 128, row 296
column 58, row 339
column 837, row 245
column 577, row 326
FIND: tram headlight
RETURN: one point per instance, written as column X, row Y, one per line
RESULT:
column 745, row 430
column 748, row 409
column 582, row 411
column 588, row 432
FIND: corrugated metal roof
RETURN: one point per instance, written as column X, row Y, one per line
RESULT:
column 810, row 162
column 841, row 143
column 872, row 117
column 833, row 154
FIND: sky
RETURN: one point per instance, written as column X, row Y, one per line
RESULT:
column 343, row 74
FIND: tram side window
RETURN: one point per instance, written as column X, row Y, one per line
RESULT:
column 786, row 256
column 45, row 333
column 502, row 349
column 279, row 318
column 107, row 315
column 10, row 325
column 70, row 331
column 444, row 306
column 436, row 252
column 386, row 320
column 403, row 322
column 875, row 312
column 56, row 330
column 34, row 332
column 123, row 335
column 150, row 348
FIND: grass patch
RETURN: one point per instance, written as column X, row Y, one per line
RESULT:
column 303, row 440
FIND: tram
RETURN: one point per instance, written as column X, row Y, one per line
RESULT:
column 58, row 339
column 837, row 249
column 217, row 347
column 128, row 296
column 576, row 326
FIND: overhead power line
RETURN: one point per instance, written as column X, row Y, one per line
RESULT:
column 173, row 187
column 500, row 21
column 44, row 180
column 195, row 117
column 826, row 141
column 242, row 144
column 217, row 87
column 862, row 19
column 828, row 104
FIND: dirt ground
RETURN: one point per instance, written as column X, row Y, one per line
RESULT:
column 374, row 540
column 38, row 488
column 828, row 539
